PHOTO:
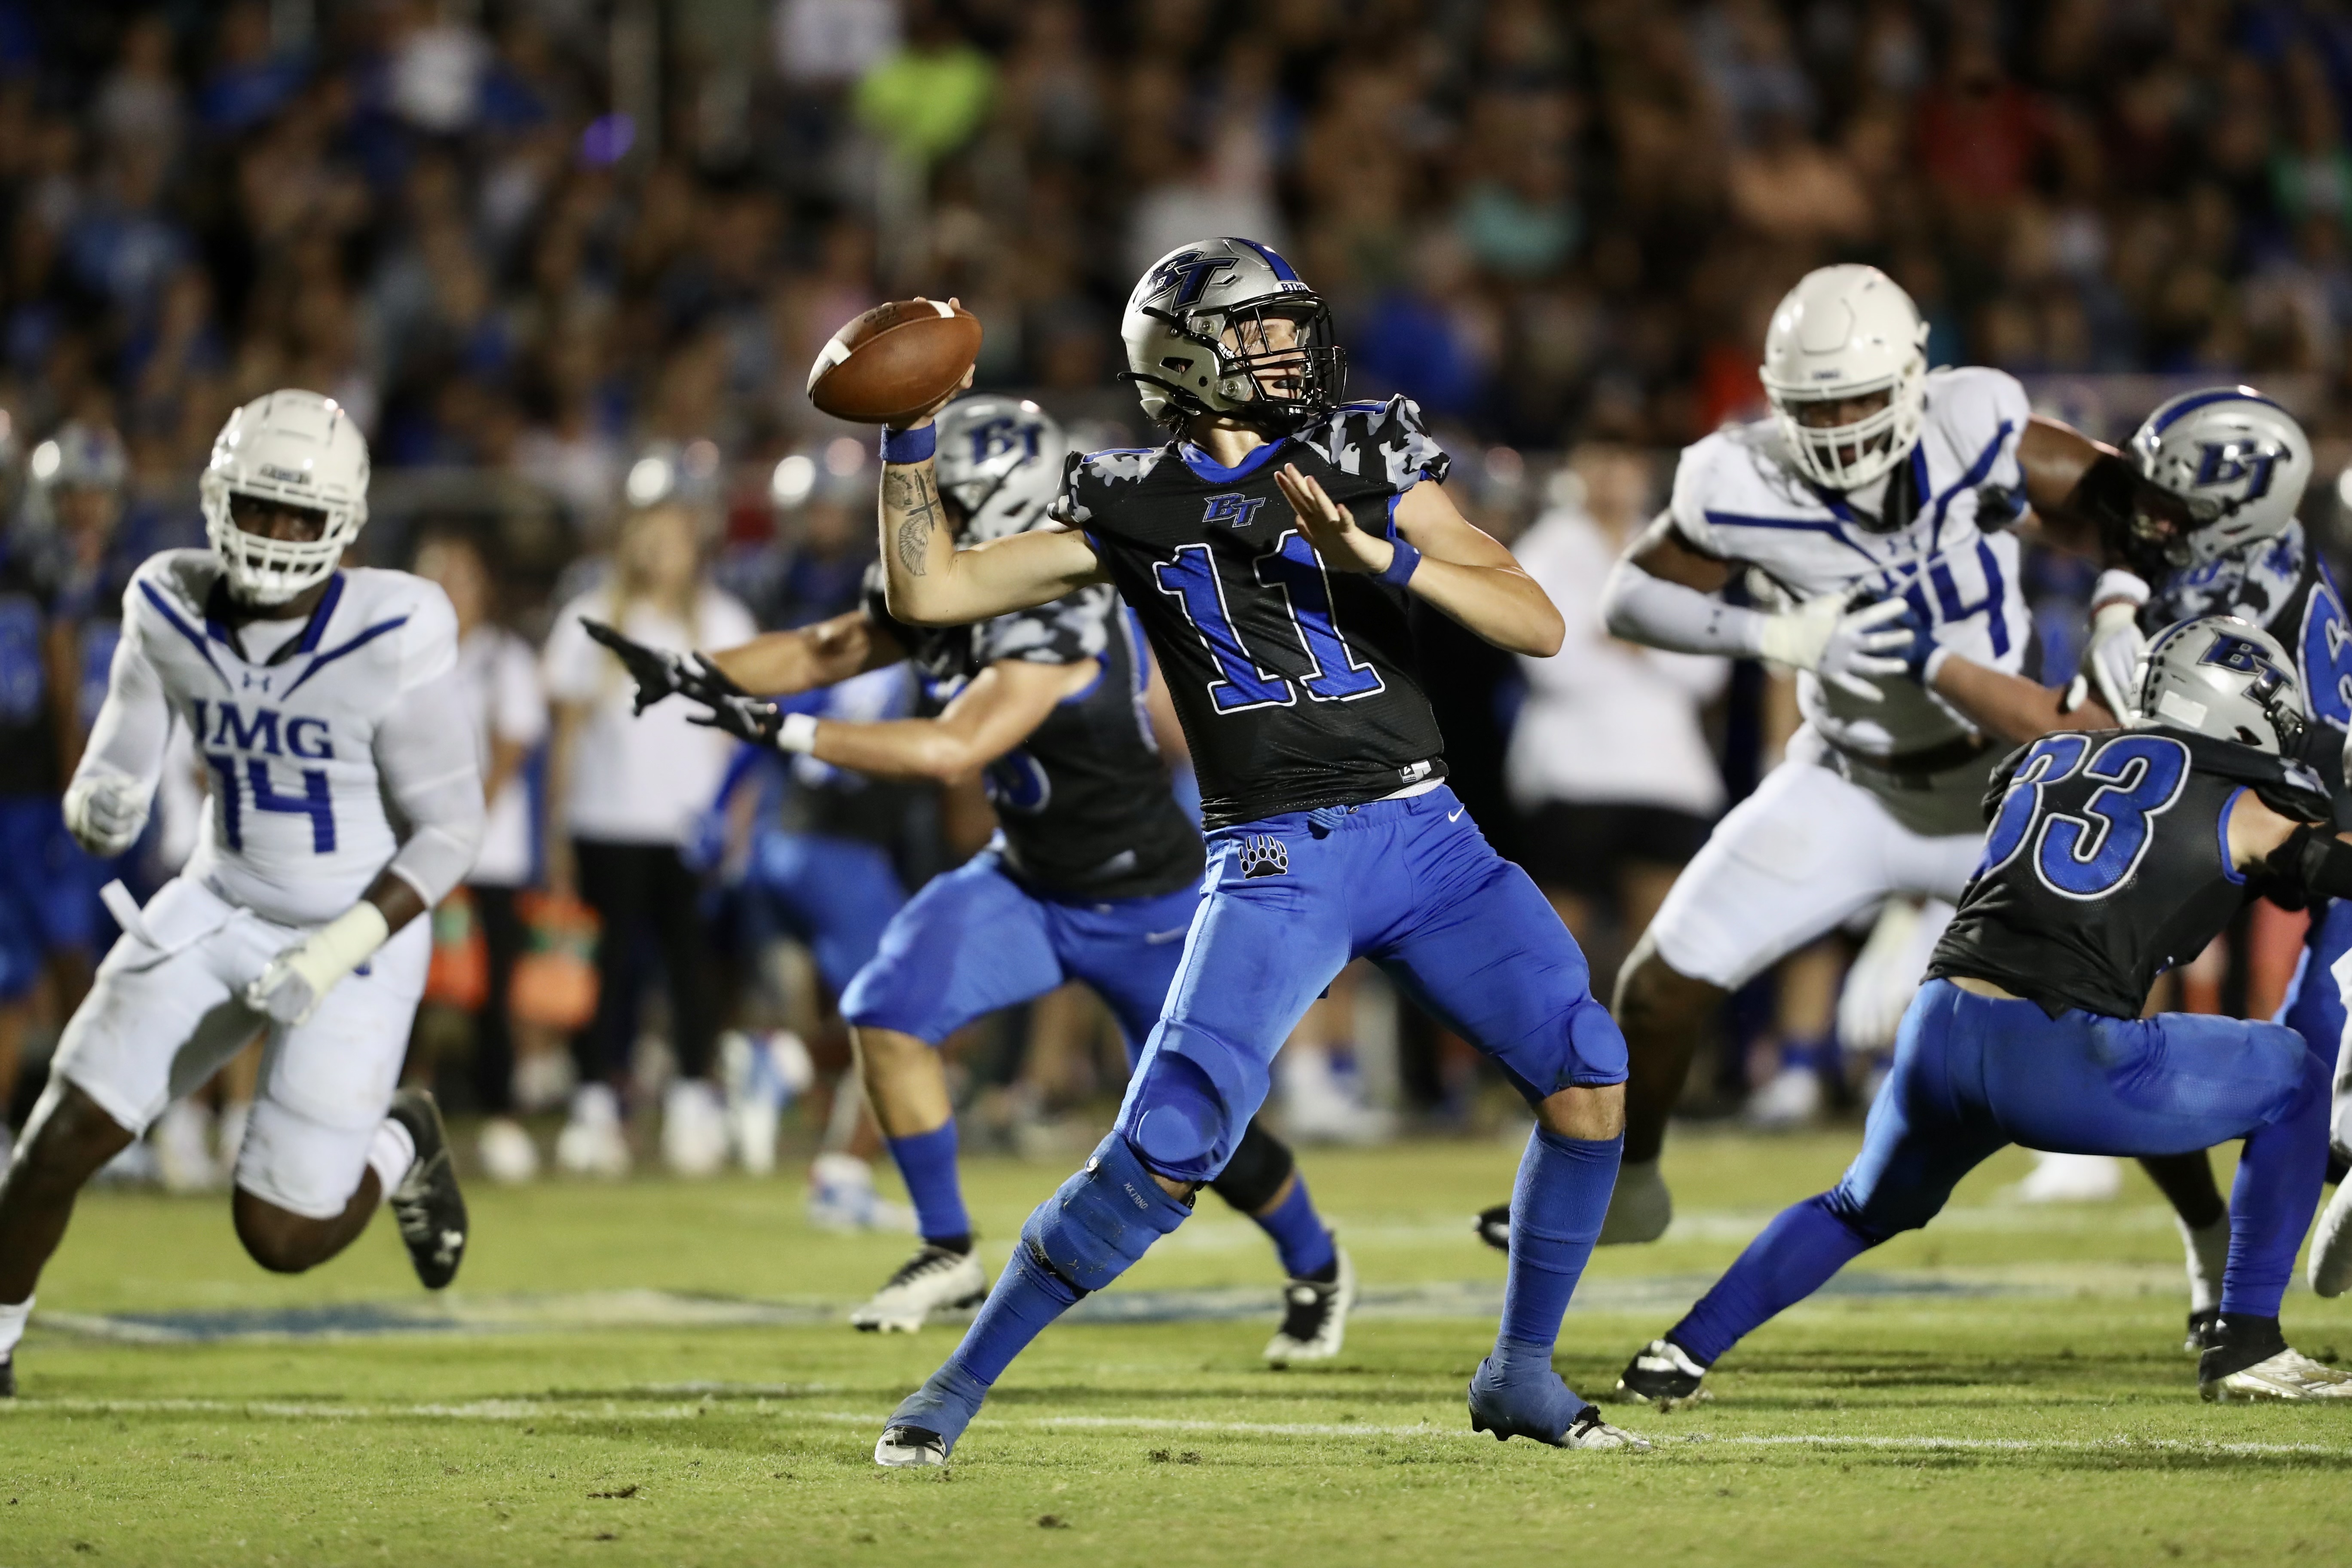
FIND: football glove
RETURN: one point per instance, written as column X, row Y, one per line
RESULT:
column 1839, row 644
column 106, row 812
column 2112, row 657
column 659, row 673
column 761, row 720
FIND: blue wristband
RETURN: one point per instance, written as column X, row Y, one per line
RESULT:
column 909, row 446
column 1400, row 565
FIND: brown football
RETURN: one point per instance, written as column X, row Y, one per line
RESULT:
column 895, row 360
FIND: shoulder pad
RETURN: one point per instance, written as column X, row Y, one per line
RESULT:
column 1389, row 442
column 1086, row 475
column 187, row 575
column 2286, row 784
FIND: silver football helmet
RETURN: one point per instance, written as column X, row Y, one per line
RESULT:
column 292, row 448
column 2237, row 460
column 1000, row 460
column 2222, row 677
column 1845, row 333
column 1202, row 338
column 81, row 456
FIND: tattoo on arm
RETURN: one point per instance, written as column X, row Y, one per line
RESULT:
column 908, row 493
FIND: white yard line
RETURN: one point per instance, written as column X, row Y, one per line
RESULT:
column 759, row 1401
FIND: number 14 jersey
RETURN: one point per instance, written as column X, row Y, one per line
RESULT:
column 1296, row 685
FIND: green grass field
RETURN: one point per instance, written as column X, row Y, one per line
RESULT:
column 647, row 1374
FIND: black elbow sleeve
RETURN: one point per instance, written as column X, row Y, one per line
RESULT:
column 2314, row 863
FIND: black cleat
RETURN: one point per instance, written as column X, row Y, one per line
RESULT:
column 8, row 1375
column 906, row 1448
column 2204, row 1331
column 1663, row 1375
column 429, row 1208
column 1494, row 1227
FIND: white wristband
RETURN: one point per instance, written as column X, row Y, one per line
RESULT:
column 2117, row 586
column 798, row 734
column 339, row 946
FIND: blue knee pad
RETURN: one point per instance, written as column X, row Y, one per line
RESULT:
column 1101, row 1220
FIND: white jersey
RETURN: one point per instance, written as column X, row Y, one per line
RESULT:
column 1736, row 499
column 299, row 825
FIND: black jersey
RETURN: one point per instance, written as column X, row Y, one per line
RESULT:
column 2283, row 586
column 1084, row 802
column 1296, row 685
column 2108, row 863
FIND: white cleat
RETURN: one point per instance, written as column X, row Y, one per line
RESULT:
column 2071, row 1179
column 1665, row 1376
column 1640, row 1208
column 2288, row 1375
column 2330, row 1268
column 694, row 1128
column 593, row 1142
column 1791, row 1101
column 904, row 1448
column 842, row 1198
column 1589, row 1431
column 509, row 1156
column 1314, row 1317
column 934, row 1279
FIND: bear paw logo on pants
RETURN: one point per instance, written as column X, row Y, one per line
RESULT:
column 1263, row 854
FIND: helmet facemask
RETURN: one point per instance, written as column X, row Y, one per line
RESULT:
column 1273, row 361
column 1849, row 456
column 264, row 569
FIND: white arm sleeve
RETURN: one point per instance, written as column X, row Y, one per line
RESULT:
column 431, row 774
column 134, row 724
column 1649, row 610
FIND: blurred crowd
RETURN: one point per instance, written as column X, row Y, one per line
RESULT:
column 568, row 262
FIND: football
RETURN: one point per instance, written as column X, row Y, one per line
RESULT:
column 895, row 360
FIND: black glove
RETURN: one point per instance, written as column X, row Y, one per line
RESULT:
column 658, row 672
column 743, row 716
column 2140, row 523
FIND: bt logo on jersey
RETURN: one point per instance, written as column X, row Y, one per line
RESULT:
column 227, row 725
column 1230, row 508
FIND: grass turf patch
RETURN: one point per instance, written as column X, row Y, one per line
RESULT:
column 2042, row 1422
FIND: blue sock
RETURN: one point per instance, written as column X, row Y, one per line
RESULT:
column 1804, row 1245
column 1557, row 1207
column 1027, row 1297
column 2280, row 1170
column 1299, row 1237
column 927, row 1162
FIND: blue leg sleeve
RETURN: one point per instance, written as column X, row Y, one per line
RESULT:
column 1803, row 1246
column 2277, row 1188
column 1103, row 1219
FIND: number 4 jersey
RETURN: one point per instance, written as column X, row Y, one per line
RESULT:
column 2108, row 863
column 293, row 722
column 1296, row 685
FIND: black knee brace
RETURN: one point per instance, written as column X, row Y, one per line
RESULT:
column 1257, row 1170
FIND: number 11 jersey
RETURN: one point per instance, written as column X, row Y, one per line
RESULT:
column 1296, row 685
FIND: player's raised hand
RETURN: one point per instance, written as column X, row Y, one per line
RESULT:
column 743, row 716
column 1328, row 527
column 658, row 672
column 1843, row 645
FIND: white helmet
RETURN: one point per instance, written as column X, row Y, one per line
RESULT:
column 1178, row 361
column 2238, row 460
column 1001, row 460
column 1843, row 332
column 2222, row 677
column 81, row 456
column 296, row 450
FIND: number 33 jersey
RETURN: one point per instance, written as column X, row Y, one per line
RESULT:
column 289, row 737
column 2108, row 863
column 1736, row 499
column 1296, row 685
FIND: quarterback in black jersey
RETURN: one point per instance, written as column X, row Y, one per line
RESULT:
column 1268, row 549
column 1093, row 873
column 2113, row 856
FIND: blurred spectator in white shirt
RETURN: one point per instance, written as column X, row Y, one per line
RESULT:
column 1608, row 763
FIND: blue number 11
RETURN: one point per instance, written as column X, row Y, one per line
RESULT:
column 1292, row 570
